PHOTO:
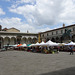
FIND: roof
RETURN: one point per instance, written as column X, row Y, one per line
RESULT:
column 14, row 28
column 57, row 28
column 4, row 29
column 19, row 33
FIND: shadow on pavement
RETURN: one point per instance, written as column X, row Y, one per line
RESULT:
column 68, row 71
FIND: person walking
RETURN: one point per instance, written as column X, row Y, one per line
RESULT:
column 71, row 50
column 58, row 48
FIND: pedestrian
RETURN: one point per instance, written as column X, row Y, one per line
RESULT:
column 58, row 49
column 71, row 49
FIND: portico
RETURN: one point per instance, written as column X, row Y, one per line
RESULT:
column 17, row 38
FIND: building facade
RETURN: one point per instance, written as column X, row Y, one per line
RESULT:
column 14, row 36
column 17, row 38
column 63, row 34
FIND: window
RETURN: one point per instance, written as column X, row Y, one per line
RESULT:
column 52, row 33
column 74, row 29
column 47, row 34
column 61, row 31
column 43, row 35
column 56, row 32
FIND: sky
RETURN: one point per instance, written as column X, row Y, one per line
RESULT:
column 36, row 15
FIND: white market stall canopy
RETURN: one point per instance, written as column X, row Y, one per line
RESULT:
column 71, row 43
column 37, row 44
column 42, row 43
column 50, row 43
column 15, row 45
column 61, row 44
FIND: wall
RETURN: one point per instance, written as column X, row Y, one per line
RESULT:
column 12, row 30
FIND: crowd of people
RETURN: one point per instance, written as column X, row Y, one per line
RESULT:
column 43, row 49
column 52, row 49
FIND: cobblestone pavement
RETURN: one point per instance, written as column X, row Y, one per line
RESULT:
column 27, row 63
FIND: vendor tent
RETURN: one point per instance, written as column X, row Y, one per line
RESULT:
column 31, row 45
column 42, row 43
column 37, row 44
column 61, row 44
column 50, row 43
column 24, row 45
column 19, row 45
column 15, row 45
column 71, row 43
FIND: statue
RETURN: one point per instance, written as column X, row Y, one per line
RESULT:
column 65, row 30
column 67, row 33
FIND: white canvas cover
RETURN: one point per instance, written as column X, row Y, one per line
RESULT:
column 50, row 43
column 15, row 45
column 71, row 43
column 42, row 43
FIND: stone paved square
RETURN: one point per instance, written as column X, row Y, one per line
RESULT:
column 28, row 63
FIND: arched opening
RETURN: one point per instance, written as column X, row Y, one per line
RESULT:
column 29, row 40
column 6, row 40
column 12, row 41
column 53, row 39
column 23, row 40
column 18, row 41
column 61, row 39
column 1, row 42
column 57, row 39
column 34, row 40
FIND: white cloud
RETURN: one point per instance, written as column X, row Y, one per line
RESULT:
column 2, row 12
column 67, row 15
column 43, row 12
column 48, row 12
column 9, row 22
column 25, row 1
column 22, row 26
